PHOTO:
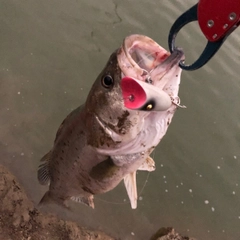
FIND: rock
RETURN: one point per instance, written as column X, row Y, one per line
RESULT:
column 20, row 220
column 168, row 234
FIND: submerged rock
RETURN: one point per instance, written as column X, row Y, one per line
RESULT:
column 168, row 234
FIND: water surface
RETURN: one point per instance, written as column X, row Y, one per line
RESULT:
column 51, row 53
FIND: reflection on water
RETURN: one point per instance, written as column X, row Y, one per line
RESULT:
column 52, row 51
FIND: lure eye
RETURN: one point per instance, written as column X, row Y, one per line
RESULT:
column 149, row 107
column 107, row 81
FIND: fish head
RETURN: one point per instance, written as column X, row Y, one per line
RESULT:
column 105, row 98
column 107, row 119
column 141, row 69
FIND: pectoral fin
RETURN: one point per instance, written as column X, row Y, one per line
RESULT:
column 148, row 165
column 131, row 187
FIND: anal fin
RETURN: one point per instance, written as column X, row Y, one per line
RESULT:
column 85, row 200
column 130, row 181
column 131, row 187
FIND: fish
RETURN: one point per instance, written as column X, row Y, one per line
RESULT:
column 111, row 136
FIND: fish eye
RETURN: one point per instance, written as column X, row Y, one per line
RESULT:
column 107, row 81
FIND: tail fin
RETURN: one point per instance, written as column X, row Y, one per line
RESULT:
column 48, row 199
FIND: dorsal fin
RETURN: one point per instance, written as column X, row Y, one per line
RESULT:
column 46, row 157
column 43, row 169
column 66, row 121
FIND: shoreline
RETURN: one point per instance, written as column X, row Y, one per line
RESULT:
column 19, row 219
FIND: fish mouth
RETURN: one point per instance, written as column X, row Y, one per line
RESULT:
column 150, row 74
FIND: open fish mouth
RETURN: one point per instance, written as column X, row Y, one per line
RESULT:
column 150, row 74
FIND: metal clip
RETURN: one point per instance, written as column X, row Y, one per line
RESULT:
column 211, row 47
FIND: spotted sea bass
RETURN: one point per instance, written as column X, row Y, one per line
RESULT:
column 110, row 137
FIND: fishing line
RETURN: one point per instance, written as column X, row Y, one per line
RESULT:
column 145, row 183
column 116, row 203
column 147, row 73
column 147, row 55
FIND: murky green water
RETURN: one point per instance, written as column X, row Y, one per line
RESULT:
column 52, row 51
